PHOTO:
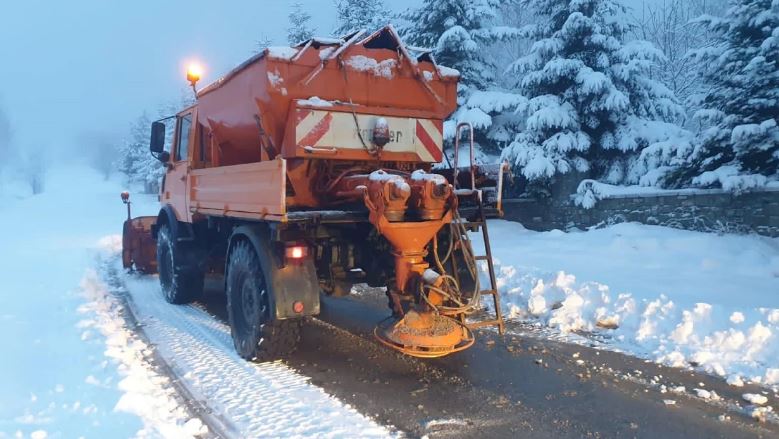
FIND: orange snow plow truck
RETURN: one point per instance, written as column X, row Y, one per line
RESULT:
column 309, row 169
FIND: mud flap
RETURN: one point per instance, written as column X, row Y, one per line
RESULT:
column 290, row 283
column 139, row 249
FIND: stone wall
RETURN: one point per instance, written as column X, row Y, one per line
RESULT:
column 701, row 210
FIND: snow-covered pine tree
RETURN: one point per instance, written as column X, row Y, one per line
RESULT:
column 459, row 32
column 739, row 149
column 135, row 160
column 590, row 103
column 299, row 25
column 353, row 15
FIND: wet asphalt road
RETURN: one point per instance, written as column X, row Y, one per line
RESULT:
column 504, row 386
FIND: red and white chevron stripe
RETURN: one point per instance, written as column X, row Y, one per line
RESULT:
column 335, row 129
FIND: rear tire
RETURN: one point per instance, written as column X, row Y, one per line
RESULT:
column 257, row 336
column 181, row 278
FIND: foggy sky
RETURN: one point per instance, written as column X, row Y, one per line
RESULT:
column 80, row 69
column 70, row 69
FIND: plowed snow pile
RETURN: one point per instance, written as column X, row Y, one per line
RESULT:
column 678, row 297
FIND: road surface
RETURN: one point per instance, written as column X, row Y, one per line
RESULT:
column 505, row 386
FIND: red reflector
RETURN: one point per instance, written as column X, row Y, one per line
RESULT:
column 297, row 307
column 295, row 252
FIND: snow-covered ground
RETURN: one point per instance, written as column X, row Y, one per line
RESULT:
column 71, row 368
column 678, row 297
column 61, row 375
column 259, row 400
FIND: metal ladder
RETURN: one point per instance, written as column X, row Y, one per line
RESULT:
column 474, row 223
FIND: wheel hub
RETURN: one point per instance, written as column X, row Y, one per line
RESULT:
column 249, row 302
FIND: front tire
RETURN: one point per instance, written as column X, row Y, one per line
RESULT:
column 257, row 336
column 181, row 279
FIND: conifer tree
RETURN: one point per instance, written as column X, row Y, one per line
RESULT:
column 354, row 15
column 591, row 104
column 135, row 160
column 459, row 32
column 739, row 148
column 299, row 29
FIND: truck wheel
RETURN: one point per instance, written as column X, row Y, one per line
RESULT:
column 180, row 278
column 256, row 335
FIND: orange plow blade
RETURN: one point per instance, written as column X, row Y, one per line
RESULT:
column 139, row 250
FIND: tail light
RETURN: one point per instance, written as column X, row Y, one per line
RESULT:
column 295, row 252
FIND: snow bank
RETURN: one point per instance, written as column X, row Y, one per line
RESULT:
column 590, row 191
column 680, row 298
column 146, row 394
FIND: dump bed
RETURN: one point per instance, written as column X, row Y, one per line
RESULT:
column 322, row 99
column 276, row 127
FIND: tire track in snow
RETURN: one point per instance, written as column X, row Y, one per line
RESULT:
column 267, row 400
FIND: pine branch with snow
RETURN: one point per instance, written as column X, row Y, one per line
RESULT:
column 589, row 96
column 135, row 161
column 354, row 15
column 459, row 32
column 299, row 29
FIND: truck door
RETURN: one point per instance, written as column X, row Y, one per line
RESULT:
column 176, row 184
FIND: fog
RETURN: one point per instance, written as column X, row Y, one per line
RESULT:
column 72, row 72
column 74, row 75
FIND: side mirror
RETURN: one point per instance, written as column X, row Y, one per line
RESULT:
column 164, row 156
column 157, row 143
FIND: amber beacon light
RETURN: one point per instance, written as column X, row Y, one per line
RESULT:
column 194, row 73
